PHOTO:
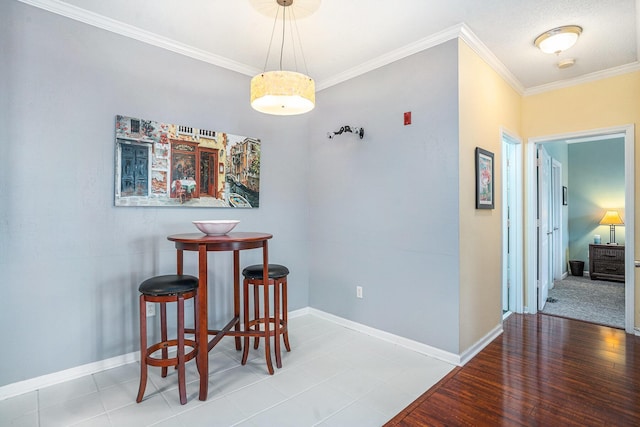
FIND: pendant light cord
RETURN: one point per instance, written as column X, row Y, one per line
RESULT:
column 284, row 21
column 304, row 60
column 273, row 30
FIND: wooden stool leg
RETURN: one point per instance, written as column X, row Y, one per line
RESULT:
column 256, row 313
column 143, row 349
column 180, row 349
column 163, row 334
column 285, row 319
column 276, row 321
column 236, row 297
column 267, row 333
column 245, row 310
column 195, row 326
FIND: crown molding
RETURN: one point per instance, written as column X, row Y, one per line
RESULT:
column 82, row 15
column 460, row 31
column 483, row 51
column 457, row 31
column 395, row 55
column 114, row 26
column 587, row 78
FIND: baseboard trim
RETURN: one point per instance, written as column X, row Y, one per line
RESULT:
column 468, row 354
column 36, row 383
column 425, row 349
column 297, row 313
column 26, row 386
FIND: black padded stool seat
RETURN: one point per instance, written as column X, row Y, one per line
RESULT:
column 276, row 271
column 277, row 278
column 169, row 284
column 163, row 289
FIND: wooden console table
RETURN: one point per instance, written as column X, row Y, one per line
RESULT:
column 606, row 262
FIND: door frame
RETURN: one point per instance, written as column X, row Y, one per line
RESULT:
column 629, row 199
column 513, row 243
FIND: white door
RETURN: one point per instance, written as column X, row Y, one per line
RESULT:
column 545, row 227
column 558, row 258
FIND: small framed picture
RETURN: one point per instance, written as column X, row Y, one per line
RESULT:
column 484, row 179
column 564, row 195
column 221, row 167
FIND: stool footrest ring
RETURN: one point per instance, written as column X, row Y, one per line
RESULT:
column 173, row 361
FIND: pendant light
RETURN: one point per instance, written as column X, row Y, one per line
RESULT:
column 281, row 92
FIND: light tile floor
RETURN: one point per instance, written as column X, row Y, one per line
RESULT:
column 333, row 376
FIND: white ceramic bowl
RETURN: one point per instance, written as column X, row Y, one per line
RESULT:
column 216, row 227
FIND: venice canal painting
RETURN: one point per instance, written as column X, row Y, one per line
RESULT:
column 161, row 164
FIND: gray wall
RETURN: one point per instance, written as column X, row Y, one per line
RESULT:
column 381, row 213
column 70, row 261
column 384, row 210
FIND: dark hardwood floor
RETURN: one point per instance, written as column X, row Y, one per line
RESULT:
column 542, row 371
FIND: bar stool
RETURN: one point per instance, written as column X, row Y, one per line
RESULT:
column 164, row 289
column 277, row 279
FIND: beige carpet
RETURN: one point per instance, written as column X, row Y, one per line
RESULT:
column 595, row 301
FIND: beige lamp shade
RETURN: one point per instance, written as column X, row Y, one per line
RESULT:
column 283, row 93
column 611, row 218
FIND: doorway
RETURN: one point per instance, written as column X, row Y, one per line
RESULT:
column 512, row 228
column 184, row 165
column 134, row 171
column 531, row 218
column 208, row 172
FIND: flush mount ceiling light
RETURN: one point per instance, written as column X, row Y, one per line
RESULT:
column 281, row 92
column 558, row 39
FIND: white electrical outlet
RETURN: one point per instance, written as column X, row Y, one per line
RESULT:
column 359, row 291
column 151, row 309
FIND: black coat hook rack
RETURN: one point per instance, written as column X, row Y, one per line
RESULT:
column 349, row 129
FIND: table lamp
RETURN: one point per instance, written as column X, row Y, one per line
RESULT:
column 611, row 218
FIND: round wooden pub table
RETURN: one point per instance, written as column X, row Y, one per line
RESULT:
column 202, row 243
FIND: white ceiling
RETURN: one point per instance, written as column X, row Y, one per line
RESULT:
column 343, row 38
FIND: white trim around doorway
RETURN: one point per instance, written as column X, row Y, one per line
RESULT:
column 531, row 238
column 515, row 241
